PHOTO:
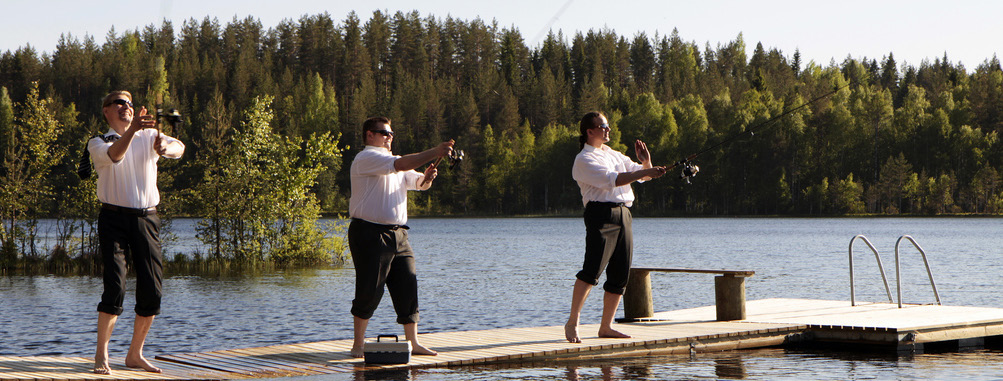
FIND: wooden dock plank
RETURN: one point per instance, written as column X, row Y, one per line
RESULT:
column 269, row 356
column 69, row 368
column 306, row 361
column 323, row 351
column 186, row 358
column 253, row 365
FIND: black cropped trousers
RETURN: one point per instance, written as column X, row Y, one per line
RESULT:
column 383, row 257
column 609, row 245
column 136, row 235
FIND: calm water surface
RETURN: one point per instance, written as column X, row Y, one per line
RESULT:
column 518, row 272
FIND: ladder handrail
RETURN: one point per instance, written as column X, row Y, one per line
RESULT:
column 881, row 268
column 898, row 276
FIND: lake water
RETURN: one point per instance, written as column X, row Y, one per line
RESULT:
column 518, row 272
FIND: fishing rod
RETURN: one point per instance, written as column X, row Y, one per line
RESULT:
column 690, row 170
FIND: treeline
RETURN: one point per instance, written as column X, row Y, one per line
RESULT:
column 898, row 139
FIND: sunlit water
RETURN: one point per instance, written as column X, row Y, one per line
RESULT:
column 518, row 272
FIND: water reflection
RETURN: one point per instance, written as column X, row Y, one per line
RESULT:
column 730, row 368
column 388, row 375
column 572, row 373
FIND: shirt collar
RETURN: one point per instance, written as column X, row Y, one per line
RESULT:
column 111, row 131
column 376, row 148
column 589, row 148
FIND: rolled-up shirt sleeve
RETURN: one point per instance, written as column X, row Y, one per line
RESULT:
column 590, row 170
column 98, row 150
column 171, row 140
column 371, row 163
column 412, row 179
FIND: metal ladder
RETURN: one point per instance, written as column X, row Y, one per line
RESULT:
column 898, row 274
column 898, row 277
column 853, row 298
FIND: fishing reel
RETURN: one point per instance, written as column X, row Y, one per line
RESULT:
column 689, row 170
column 455, row 158
column 171, row 115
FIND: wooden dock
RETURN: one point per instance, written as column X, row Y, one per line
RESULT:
column 770, row 322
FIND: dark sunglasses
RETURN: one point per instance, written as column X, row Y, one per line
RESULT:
column 604, row 126
column 383, row 132
column 120, row 102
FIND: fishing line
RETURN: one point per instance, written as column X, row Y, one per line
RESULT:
column 689, row 169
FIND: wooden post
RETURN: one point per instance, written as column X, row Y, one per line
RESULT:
column 637, row 297
column 729, row 295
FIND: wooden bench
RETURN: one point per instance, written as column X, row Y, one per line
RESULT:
column 729, row 292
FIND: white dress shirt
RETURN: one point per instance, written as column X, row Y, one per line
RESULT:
column 596, row 170
column 379, row 191
column 132, row 182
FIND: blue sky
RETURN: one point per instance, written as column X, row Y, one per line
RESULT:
column 967, row 31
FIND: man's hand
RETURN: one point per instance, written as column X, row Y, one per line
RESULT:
column 643, row 156
column 655, row 172
column 430, row 173
column 142, row 121
column 645, row 174
column 444, row 149
column 415, row 160
column 440, row 151
column 160, row 145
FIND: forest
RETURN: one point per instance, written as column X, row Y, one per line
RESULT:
column 272, row 119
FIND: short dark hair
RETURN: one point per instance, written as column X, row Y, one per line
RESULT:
column 587, row 123
column 373, row 123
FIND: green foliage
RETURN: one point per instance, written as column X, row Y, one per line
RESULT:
column 257, row 198
column 29, row 154
column 272, row 111
column 846, row 196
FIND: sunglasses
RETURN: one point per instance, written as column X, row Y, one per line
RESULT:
column 120, row 102
column 604, row 126
column 383, row 132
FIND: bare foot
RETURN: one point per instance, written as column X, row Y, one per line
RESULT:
column 571, row 333
column 141, row 362
column 418, row 349
column 358, row 352
column 612, row 334
column 101, row 366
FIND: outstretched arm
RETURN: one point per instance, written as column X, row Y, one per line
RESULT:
column 415, row 160
column 642, row 174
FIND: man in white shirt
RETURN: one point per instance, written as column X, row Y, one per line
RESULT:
column 125, row 159
column 377, row 235
column 604, row 176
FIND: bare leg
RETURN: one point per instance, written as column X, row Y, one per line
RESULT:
column 578, row 297
column 106, row 324
column 411, row 334
column 360, row 337
column 610, row 303
column 135, row 359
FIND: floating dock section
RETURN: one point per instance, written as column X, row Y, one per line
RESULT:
column 769, row 322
